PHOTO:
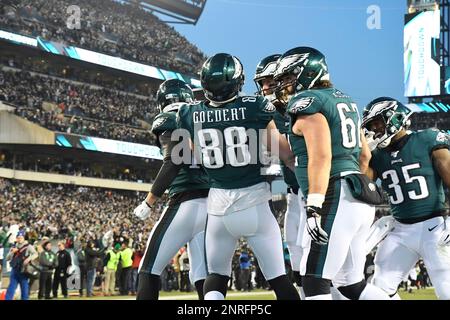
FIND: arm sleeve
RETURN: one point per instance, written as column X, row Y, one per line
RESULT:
column 168, row 171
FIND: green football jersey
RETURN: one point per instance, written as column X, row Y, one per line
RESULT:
column 407, row 174
column 228, row 138
column 343, row 119
column 282, row 122
column 188, row 178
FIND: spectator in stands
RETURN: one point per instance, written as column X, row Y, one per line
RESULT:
column 92, row 256
column 20, row 255
column 12, row 232
column 45, row 208
column 111, row 261
column 64, row 262
column 48, row 262
column 103, row 113
column 126, row 262
column 117, row 29
column 2, row 250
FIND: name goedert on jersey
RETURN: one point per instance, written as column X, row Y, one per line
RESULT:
column 219, row 115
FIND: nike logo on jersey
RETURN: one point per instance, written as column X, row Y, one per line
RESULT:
column 431, row 229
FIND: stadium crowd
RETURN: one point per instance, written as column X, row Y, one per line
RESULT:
column 78, row 217
column 426, row 120
column 79, row 169
column 73, row 212
column 78, row 108
column 106, row 26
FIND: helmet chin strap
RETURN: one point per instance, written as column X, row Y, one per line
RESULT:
column 315, row 79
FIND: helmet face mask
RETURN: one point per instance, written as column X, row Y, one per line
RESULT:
column 378, row 127
column 286, row 88
column 266, row 86
column 385, row 117
column 264, row 72
column 173, row 91
column 267, row 90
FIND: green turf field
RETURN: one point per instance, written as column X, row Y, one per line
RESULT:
column 424, row 294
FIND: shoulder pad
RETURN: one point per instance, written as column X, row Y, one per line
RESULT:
column 163, row 122
column 301, row 102
column 173, row 107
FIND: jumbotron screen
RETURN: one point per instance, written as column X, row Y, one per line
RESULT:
column 421, row 54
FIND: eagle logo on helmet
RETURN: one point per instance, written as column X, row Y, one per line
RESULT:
column 237, row 68
column 286, row 63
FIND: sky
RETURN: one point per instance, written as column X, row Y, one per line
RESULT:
column 363, row 63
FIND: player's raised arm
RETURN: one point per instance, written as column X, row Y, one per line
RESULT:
column 171, row 96
column 283, row 150
column 167, row 173
column 316, row 132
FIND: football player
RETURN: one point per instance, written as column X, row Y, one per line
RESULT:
column 327, row 142
column 183, row 220
column 413, row 167
column 295, row 217
column 227, row 132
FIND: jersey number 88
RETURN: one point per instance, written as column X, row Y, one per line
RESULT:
column 236, row 148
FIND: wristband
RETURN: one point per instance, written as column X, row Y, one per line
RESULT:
column 315, row 200
column 149, row 206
